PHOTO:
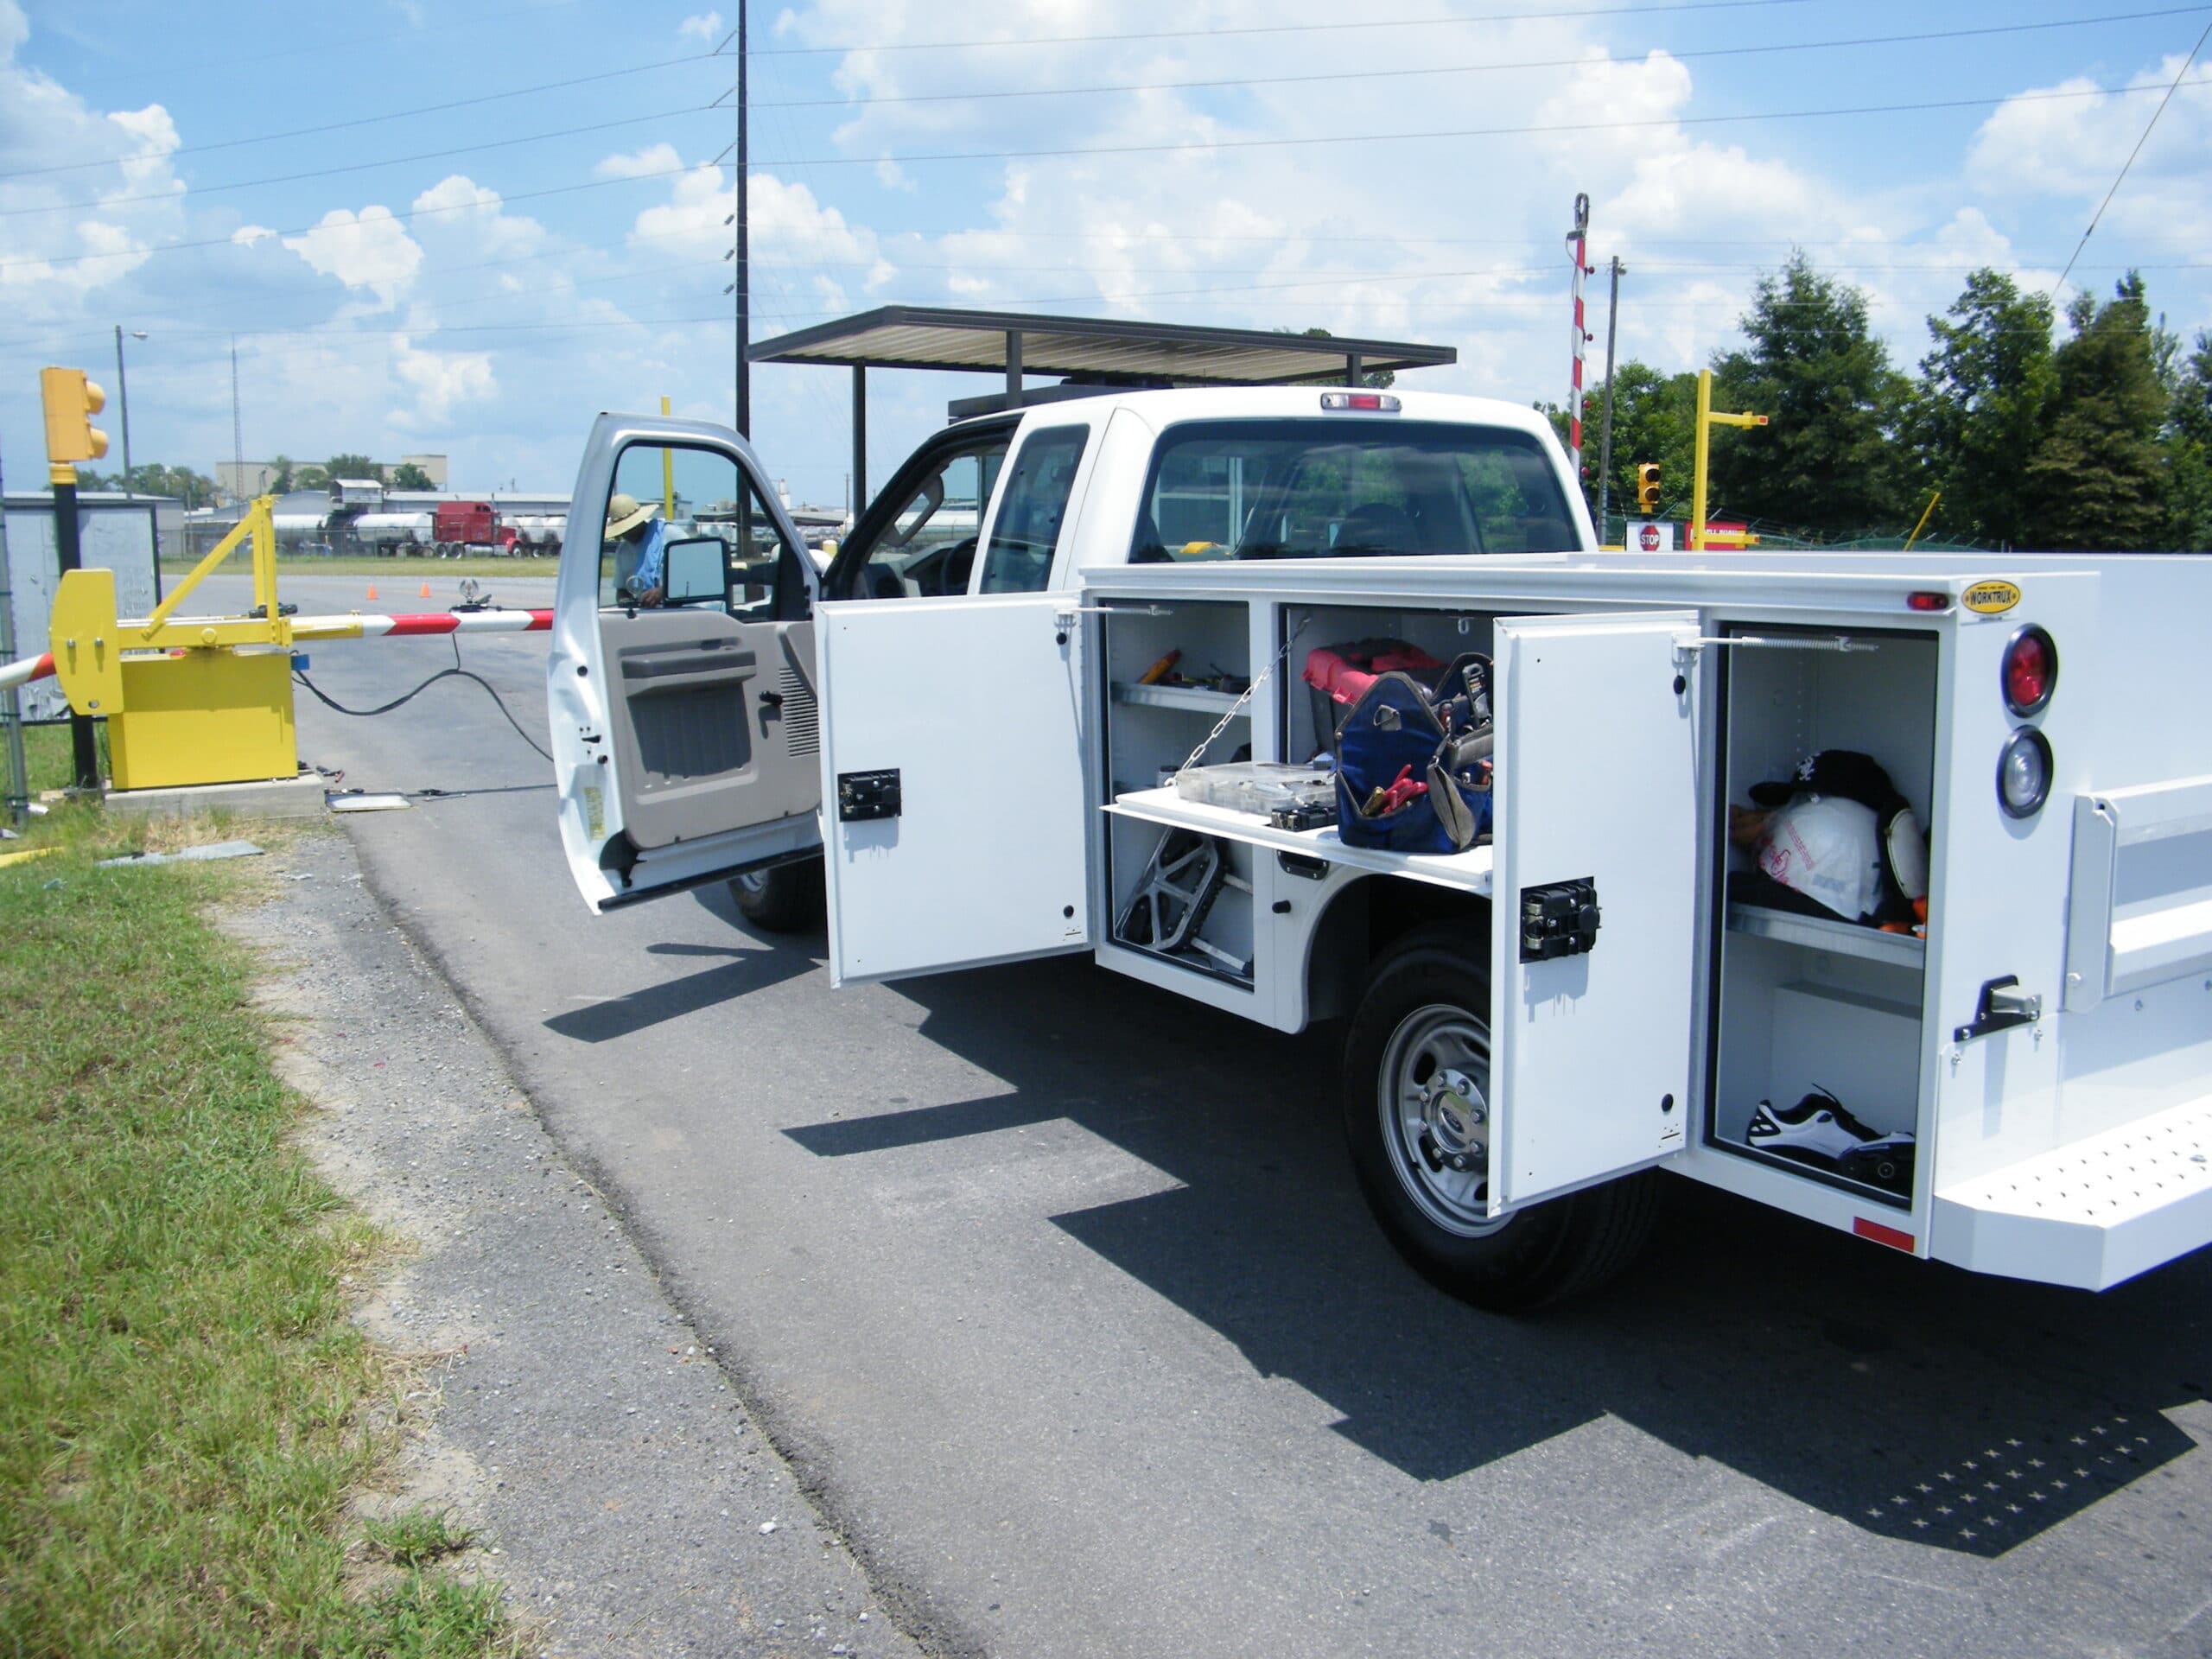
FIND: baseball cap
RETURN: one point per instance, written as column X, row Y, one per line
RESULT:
column 1845, row 773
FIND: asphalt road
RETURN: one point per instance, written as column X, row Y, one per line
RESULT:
column 1057, row 1293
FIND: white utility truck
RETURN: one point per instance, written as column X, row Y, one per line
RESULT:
column 1099, row 598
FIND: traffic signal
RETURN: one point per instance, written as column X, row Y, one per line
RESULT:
column 71, row 402
column 1647, row 488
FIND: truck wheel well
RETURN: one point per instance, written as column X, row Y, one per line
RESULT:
column 1367, row 916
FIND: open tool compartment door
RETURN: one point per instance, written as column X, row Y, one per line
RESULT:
column 954, row 802
column 1596, row 823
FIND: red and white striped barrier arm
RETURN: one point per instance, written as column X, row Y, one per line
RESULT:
column 354, row 625
column 364, row 624
column 22, row 673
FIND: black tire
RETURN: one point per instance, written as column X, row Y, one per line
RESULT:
column 1428, row 1005
column 782, row 899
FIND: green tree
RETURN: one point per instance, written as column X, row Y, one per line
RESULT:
column 1977, row 415
column 408, row 476
column 312, row 477
column 353, row 466
column 281, row 474
column 2189, row 452
column 1655, row 419
column 1827, row 464
column 2096, row 477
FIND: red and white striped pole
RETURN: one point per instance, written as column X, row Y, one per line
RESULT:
column 1578, row 241
column 352, row 625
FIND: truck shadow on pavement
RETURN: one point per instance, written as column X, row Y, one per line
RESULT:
column 738, row 970
column 1911, row 1399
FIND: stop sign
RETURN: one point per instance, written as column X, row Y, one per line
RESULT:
column 1647, row 537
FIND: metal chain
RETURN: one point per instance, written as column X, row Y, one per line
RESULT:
column 1237, row 708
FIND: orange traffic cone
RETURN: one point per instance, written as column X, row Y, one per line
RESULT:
column 426, row 590
column 372, row 591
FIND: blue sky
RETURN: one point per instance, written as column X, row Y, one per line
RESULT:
column 481, row 279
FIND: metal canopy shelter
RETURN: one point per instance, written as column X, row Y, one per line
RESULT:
column 1095, row 351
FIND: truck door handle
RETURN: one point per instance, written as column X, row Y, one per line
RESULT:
column 771, row 699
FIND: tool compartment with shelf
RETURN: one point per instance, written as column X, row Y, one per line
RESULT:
column 1803, row 1004
column 1175, row 893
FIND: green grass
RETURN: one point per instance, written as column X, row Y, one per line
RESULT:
column 46, row 754
column 186, row 1407
column 411, row 569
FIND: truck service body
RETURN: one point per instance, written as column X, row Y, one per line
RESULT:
column 977, row 733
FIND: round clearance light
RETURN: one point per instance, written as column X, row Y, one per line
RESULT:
column 2023, row 773
column 2030, row 672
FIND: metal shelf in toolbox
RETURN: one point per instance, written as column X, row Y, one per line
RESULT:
column 1817, row 933
column 1469, row 872
column 1198, row 698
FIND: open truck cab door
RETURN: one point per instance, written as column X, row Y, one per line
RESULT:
column 680, row 680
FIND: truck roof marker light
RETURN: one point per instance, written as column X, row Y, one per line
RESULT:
column 1895, row 1239
column 2031, row 670
column 1374, row 403
column 1928, row 601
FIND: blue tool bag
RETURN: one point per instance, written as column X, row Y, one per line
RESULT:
column 1414, row 764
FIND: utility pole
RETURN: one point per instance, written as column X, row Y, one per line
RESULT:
column 744, row 276
column 1605, row 430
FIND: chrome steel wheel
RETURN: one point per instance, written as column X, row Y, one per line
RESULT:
column 1432, row 1097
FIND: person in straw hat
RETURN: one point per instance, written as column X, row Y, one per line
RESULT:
column 637, row 537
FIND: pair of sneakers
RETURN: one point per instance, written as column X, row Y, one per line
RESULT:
column 1818, row 1132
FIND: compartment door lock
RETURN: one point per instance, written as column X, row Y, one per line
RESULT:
column 1559, row 919
column 2003, row 1005
column 864, row 795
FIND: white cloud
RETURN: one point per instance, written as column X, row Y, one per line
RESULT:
column 370, row 250
column 442, row 379
column 706, row 28
column 457, row 211
column 640, row 163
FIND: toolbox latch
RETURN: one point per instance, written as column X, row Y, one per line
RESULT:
column 1559, row 919
column 864, row 795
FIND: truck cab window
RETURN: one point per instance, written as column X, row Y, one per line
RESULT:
column 1308, row 488
column 1027, row 531
column 928, row 547
column 685, row 527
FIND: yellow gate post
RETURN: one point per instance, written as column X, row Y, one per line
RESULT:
column 195, row 700
column 1708, row 418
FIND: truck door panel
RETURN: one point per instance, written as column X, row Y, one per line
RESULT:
column 682, row 710
column 955, row 821
column 1597, row 762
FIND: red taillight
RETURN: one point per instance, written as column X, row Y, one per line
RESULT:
column 2030, row 672
column 1928, row 601
column 1374, row 403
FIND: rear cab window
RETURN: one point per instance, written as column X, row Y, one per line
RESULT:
column 1032, row 511
column 1323, row 488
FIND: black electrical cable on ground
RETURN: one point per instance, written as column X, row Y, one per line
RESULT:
column 455, row 672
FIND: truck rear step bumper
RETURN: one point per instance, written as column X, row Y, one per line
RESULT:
column 2092, row 1213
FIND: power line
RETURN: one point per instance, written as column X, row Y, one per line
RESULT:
column 2130, row 161
column 359, row 121
column 1270, row 28
column 870, row 101
column 1184, row 145
column 354, row 167
column 1177, row 147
